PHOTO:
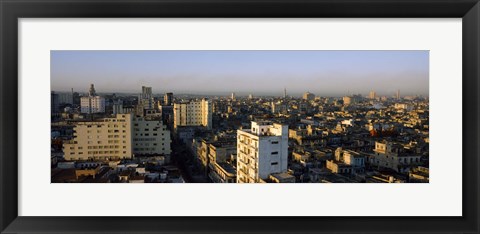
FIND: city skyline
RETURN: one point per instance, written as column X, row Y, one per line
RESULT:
column 262, row 73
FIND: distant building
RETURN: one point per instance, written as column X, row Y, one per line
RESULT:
column 146, row 92
column 261, row 151
column 92, row 103
column 394, row 156
column 193, row 113
column 65, row 98
column 279, row 107
column 355, row 160
column 348, row 100
column 117, row 107
column 372, row 95
column 403, row 106
column 419, row 175
column 145, row 101
column 168, row 99
column 308, row 96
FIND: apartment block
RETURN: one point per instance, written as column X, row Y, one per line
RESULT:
column 261, row 151
column 150, row 137
column 193, row 113
column 108, row 139
column 117, row 138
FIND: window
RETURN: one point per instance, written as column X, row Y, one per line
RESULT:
column 274, row 142
column 274, row 163
column 276, row 152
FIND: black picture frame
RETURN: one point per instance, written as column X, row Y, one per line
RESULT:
column 11, row 11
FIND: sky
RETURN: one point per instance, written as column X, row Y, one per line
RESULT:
column 324, row 73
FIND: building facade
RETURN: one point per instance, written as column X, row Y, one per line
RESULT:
column 168, row 99
column 118, row 138
column 92, row 103
column 108, row 139
column 261, row 151
column 394, row 156
column 194, row 113
column 150, row 137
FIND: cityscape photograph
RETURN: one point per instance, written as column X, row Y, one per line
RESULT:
column 239, row 116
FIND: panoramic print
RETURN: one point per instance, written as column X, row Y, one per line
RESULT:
column 239, row 116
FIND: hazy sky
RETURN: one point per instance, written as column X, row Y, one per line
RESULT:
column 324, row 73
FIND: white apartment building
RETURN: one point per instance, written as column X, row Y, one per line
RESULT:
column 109, row 139
column 261, row 151
column 92, row 103
column 194, row 113
column 117, row 138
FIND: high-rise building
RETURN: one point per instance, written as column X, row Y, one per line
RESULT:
column 146, row 92
column 398, row 94
column 193, row 113
column 261, row 151
column 117, row 138
column 233, row 97
column 150, row 137
column 168, row 99
column 108, row 139
column 92, row 103
column 117, row 107
column 145, row 101
column 372, row 95
column 91, row 91
column 308, row 96
column 284, row 92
